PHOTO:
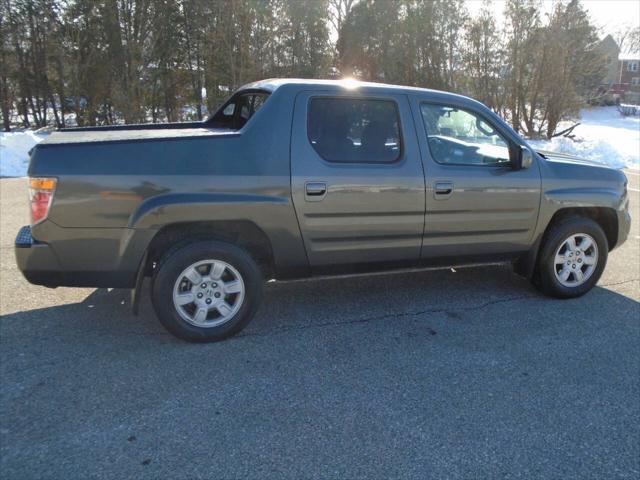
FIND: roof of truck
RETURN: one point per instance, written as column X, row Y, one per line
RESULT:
column 272, row 84
column 350, row 84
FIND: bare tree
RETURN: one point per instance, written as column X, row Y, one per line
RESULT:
column 6, row 100
column 108, row 61
column 628, row 38
column 483, row 58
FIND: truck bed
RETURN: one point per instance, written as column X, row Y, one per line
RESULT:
column 74, row 136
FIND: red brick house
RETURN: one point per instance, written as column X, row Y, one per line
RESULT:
column 629, row 65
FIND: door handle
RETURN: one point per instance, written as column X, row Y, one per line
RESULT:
column 315, row 191
column 442, row 190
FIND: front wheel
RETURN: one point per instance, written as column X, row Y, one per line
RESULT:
column 206, row 291
column 572, row 258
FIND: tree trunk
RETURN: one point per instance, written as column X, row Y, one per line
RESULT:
column 60, row 72
column 6, row 106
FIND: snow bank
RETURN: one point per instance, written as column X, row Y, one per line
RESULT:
column 14, row 148
column 604, row 135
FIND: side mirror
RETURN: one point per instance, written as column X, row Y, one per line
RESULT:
column 521, row 157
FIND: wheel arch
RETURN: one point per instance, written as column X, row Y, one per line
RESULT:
column 242, row 233
column 604, row 216
column 264, row 224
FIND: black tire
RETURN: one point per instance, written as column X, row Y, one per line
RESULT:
column 174, row 262
column 546, row 279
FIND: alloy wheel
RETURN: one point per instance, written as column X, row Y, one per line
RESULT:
column 208, row 293
column 576, row 259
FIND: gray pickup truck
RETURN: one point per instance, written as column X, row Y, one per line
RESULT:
column 298, row 178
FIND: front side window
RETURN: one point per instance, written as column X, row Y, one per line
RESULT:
column 354, row 130
column 459, row 137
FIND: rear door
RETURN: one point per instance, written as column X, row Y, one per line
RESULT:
column 357, row 179
column 477, row 205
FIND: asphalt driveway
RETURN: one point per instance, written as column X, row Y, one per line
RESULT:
column 442, row 374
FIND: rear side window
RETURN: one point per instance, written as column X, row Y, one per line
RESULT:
column 348, row 130
column 238, row 110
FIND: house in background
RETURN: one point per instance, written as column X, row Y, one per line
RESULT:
column 629, row 64
column 609, row 49
column 621, row 83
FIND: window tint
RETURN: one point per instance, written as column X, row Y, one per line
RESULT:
column 238, row 110
column 348, row 130
column 460, row 137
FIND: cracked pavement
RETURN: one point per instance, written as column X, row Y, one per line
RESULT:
column 439, row 374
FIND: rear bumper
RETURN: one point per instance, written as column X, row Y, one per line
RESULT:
column 40, row 264
column 37, row 261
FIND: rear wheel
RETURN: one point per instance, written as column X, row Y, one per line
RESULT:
column 572, row 258
column 206, row 291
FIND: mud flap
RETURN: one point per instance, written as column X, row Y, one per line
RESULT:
column 136, row 291
column 526, row 264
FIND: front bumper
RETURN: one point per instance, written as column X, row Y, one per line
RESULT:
column 36, row 260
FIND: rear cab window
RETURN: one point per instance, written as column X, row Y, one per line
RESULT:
column 237, row 111
column 354, row 130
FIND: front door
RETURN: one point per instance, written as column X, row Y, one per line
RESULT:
column 357, row 179
column 477, row 204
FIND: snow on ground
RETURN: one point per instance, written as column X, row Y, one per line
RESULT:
column 603, row 135
column 14, row 148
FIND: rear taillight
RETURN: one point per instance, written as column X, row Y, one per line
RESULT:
column 41, row 192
